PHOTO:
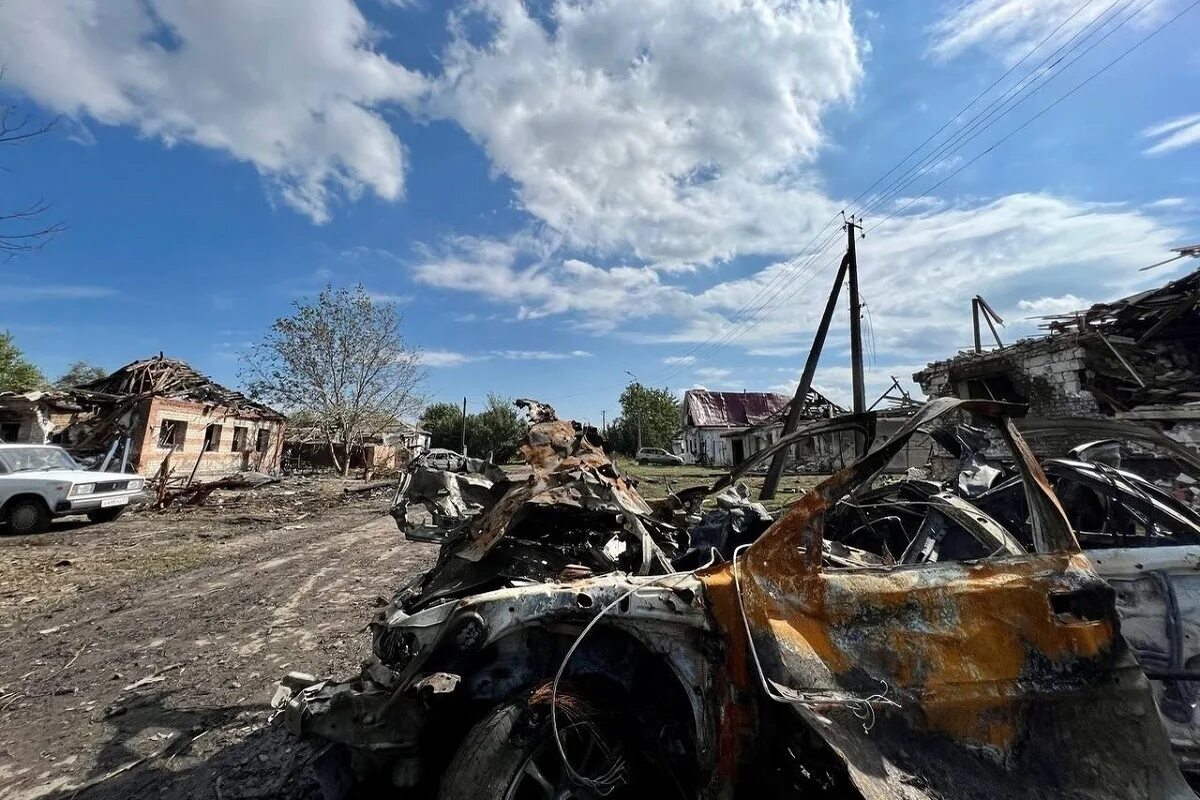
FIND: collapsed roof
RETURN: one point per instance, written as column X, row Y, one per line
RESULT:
column 169, row 377
column 1139, row 351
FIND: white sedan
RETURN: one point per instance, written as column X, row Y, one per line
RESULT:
column 40, row 482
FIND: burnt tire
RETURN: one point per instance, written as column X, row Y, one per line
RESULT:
column 511, row 755
column 25, row 516
column 106, row 514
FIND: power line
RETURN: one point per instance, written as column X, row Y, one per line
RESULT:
column 1008, row 102
column 1041, row 113
column 958, row 142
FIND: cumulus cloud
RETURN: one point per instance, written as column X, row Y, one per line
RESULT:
column 293, row 87
column 918, row 275
column 1173, row 134
column 1049, row 306
column 677, row 132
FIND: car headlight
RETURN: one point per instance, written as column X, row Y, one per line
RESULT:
column 82, row 488
column 135, row 485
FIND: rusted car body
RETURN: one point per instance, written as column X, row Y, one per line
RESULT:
column 1143, row 541
column 799, row 665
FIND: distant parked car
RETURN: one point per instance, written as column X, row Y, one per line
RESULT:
column 441, row 458
column 40, row 482
column 656, row 455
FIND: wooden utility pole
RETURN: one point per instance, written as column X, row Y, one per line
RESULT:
column 464, row 428
column 792, row 421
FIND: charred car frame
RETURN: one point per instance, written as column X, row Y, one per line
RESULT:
column 557, row 650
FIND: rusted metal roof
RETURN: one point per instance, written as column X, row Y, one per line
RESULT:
column 703, row 408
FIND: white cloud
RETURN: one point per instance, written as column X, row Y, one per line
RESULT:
column 537, row 355
column 451, row 358
column 444, row 358
column 1012, row 28
column 293, row 87
column 713, row 374
column 1173, row 134
column 919, row 273
column 678, row 132
column 1050, row 306
column 387, row 297
column 508, row 272
column 680, row 360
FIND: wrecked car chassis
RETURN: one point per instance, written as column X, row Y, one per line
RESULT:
column 794, row 664
column 500, row 644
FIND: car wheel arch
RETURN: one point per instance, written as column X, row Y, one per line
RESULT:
column 16, row 498
column 612, row 657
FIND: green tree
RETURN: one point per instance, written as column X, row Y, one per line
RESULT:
column 444, row 423
column 17, row 374
column 657, row 410
column 80, row 373
column 497, row 430
column 340, row 357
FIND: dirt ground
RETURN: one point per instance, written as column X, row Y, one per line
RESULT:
column 140, row 655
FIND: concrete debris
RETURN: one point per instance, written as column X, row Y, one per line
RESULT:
column 881, row 639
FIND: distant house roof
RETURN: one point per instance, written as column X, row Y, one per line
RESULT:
column 705, row 409
column 170, row 377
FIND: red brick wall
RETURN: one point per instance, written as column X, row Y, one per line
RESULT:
column 222, row 461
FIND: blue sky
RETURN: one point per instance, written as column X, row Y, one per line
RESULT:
column 557, row 192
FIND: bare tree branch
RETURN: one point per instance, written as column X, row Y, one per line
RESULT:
column 20, row 229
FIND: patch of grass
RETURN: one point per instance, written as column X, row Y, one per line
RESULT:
column 657, row 480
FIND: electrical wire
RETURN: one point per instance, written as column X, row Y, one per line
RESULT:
column 1062, row 98
column 969, row 133
column 999, row 107
column 978, row 125
column 604, row 783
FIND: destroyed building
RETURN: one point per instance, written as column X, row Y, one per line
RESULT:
column 1137, row 358
column 721, row 429
column 147, row 412
column 306, row 447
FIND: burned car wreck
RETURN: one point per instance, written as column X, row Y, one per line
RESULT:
column 574, row 640
column 1140, row 538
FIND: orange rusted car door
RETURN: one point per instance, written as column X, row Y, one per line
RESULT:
column 1003, row 678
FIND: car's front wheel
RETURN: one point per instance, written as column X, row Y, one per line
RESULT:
column 106, row 514
column 511, row 755
column 26, row 515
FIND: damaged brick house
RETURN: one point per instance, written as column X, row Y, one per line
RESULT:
column 305, row 447
column 1137, row 358
column 146, row 412
column 724, row 428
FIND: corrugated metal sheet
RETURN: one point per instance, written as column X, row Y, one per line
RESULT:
column 704, row 408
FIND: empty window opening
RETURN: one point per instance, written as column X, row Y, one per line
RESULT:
column 10, row 431
column 212, row 438
column 240, row 436
column 172, row 433
column 264, row 440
